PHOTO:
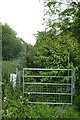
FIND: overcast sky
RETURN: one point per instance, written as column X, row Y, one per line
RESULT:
column 23, row 16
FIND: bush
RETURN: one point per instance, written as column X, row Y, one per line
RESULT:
column 71, row 112
column 77, row 102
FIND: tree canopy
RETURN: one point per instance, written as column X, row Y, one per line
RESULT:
column 11, row 45
column 64, row 15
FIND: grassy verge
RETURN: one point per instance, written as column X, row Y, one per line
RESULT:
column 18, row 107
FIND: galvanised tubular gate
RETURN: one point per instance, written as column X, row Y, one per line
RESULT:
column 57, row 90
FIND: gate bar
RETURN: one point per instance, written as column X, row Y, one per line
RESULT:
column 44, row 69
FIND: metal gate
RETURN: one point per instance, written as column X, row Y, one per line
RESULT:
column 48, row 86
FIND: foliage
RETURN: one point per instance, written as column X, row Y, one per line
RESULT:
column 50, row 51
column 63, row 16
column 27, row 58
column 71, row 113
column 30, row 53
column 77, row 102
column 53, row 53
column 8, row 67
column 20, row 109
column 12, row 45
column 16, row 106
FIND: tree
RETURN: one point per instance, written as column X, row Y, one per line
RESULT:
column 11, row 45
column 30, row 56
column 52, row 52
column 64, row 15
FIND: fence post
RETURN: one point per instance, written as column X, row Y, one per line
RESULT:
column 16, row 77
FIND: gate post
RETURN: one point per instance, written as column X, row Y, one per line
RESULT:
column 23, row 81
column 72, row 84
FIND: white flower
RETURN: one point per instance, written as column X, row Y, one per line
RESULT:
column 20, row 96
column 4, row 99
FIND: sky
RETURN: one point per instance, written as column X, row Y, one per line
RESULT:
column 23, row 16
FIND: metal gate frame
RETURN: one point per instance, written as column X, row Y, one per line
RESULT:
column 40, row 83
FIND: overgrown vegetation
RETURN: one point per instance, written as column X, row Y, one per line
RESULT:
column 58, row 38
